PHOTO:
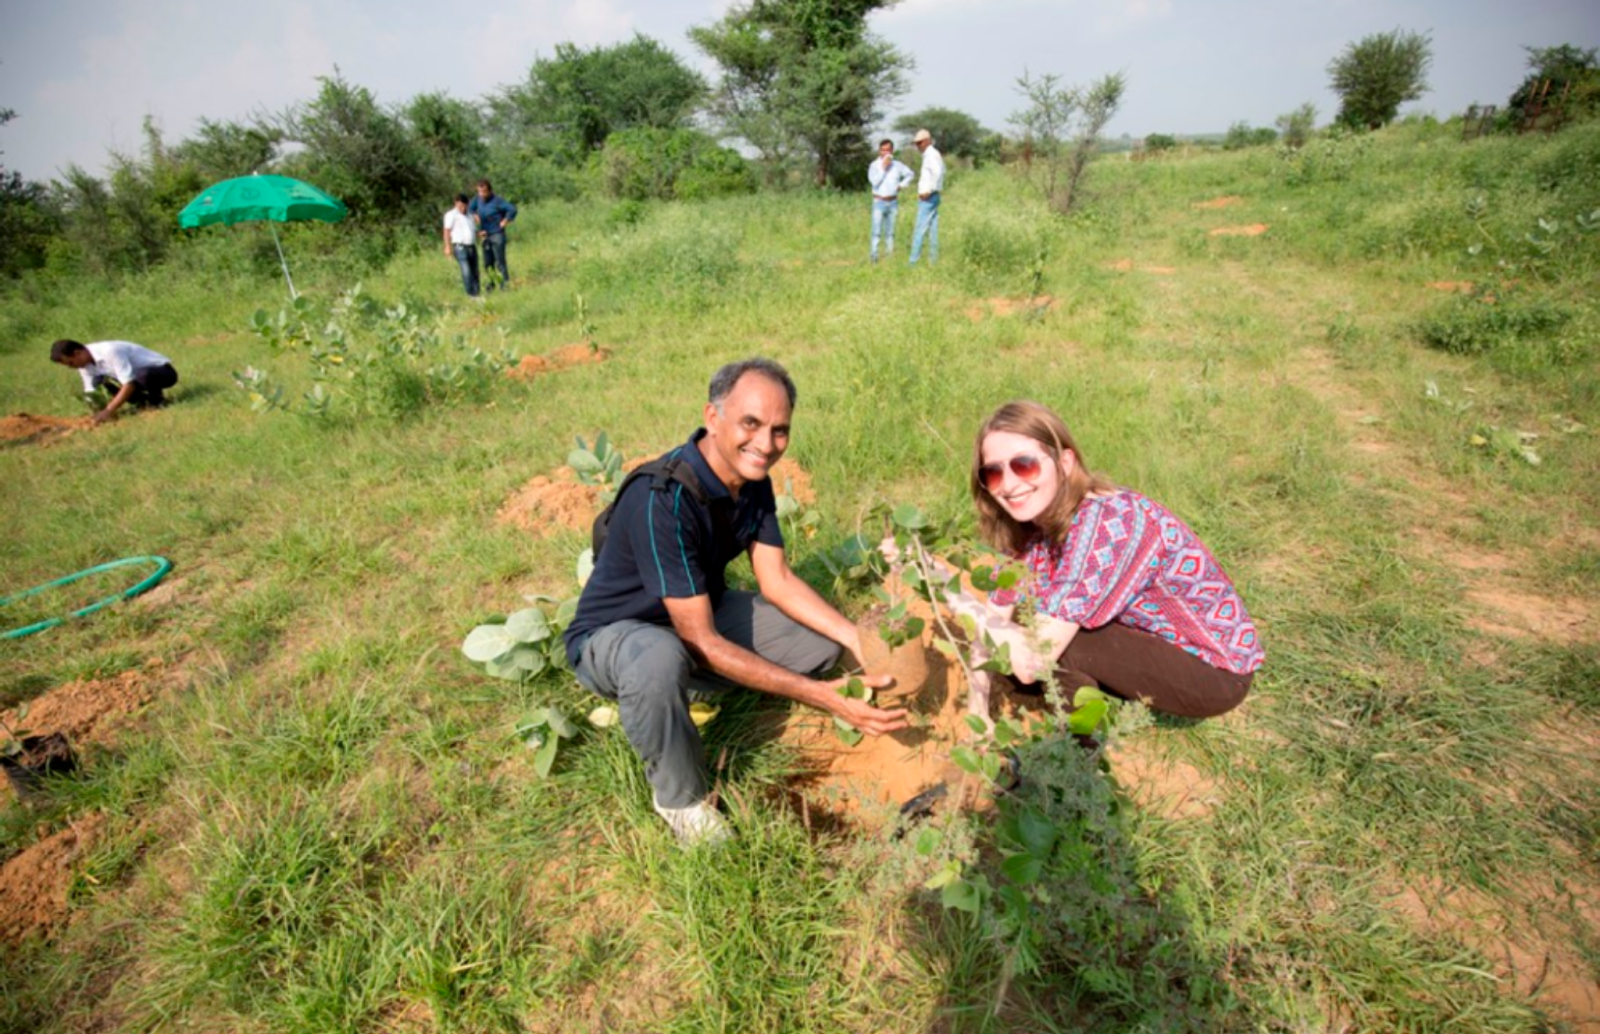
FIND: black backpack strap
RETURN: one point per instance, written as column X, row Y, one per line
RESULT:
column 664, row 472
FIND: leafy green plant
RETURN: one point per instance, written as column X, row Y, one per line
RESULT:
column 542, row 732
column 368, row 358
column 600, row 465
column 854, row 689
column 527, row 644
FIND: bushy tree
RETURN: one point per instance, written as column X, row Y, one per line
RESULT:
column 361, row 153
column 1241, row 135
column 1565, row 78
column 1297, row 126
column 1060, row 130
column 450, row 133
column 580, row 97
column 1377, row 74
column 955, row 133
column 1160, row 142
column 664, row 164
column 223, row 150
column 27, row 220
column 803, row 78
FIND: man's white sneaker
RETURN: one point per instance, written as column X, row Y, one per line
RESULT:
column 699, row 823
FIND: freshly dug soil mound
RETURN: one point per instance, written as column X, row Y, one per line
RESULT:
column 26, row 427
column 90, row 710
column 1219, row 202
column 548, row 504
column 1462, row 286
column 559, row 501
column 1252, row 230
column 867, row 783
column 34, row 884
column 578, row 354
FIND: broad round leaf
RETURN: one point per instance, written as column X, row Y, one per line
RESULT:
column 488, row 642
column 528, row 625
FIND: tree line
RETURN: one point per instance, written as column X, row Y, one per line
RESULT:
column 801, row 84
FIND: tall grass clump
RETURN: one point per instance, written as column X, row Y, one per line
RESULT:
column 682, row 257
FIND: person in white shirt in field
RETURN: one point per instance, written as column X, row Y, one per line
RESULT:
column 461, row 243
column 888, row 177
column 930, row 184
column 134, row 373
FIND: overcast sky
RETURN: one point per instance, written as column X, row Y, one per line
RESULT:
column 83, row 74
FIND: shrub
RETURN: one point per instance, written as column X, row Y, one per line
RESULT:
column 1520, row 332
column 1160, row 142
column 1240, row 136
column 682, row 257
column 665, row 164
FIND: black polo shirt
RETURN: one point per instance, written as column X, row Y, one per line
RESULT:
column 665, row 545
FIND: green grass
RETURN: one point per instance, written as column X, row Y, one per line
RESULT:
column 327, row 823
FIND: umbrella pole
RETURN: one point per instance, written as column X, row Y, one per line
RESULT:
column 283, row 262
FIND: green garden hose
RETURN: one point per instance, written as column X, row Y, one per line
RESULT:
column 162, row 564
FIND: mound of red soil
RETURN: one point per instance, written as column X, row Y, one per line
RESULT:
column 550, row 503
column 1252, row 230
column 90, row 710
column 34, row 884
column 1462, row 286
column 26, row 427
column 1219, row 202
column 1127, row 266
column 578, row 354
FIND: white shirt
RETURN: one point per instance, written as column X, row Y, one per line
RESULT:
column 932, row 178
column 887, row 183
column 120, row 359
column 462, row 229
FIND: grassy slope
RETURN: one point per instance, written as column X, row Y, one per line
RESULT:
column 325, row 823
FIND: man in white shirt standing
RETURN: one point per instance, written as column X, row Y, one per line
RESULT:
column 888, row 178
column 461, row 243
column 929, row 185
column 139, row 375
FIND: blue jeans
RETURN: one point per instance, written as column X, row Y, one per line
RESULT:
column 883, row 216
column 467, row 259
column 927, row 227
column 494, row 257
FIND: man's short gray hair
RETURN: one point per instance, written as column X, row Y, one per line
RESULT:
column 723, row 380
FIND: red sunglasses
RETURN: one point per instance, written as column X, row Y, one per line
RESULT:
column 1026, row 466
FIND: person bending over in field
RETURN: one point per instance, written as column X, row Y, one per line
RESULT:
column 656, row 620
column 131, row 373
column 1119, row 594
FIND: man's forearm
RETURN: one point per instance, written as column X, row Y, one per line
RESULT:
column 747, row 668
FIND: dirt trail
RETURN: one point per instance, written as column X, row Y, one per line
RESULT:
column 35, row 883
column 41, row 430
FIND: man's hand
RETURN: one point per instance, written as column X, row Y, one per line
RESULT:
column 448, row 252
column 923, row 197
column 483, row 234
column 101, row 417
column 874, row 721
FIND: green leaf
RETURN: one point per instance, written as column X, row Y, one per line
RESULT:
column 1022, row 868
column 1036, row 833
column 585, row 569
column 947, row 648
column 928, row 842
column 976, row 724
column 909, row 517
column 488, row 642
column 560, row 724
column 961, row 895
column 846, row 732
column 505, row 668
column 528, row 625
column 566, row 610
column 1084, row 720
column 525, row 658
column 585, row 462
column 545, row 759
column 914, row 627
column 966, row 759
column 944, row 877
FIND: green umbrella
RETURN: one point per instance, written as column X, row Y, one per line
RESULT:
column 277, row 199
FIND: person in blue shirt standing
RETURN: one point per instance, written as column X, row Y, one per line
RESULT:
column 494, row 214
column 888, row 176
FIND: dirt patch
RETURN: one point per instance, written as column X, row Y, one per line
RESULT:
column 1542, row 960
column 1171, row 788
column 1522, row 615
column 558, row 501
column 34, row 884
column 1219, row 202
column 865, row 784
column 1010, row 307
column 580, row 353
column 1127, row 266
column 1250, row 230
column 1462, row 286
column 91, row 710
column 27, row 427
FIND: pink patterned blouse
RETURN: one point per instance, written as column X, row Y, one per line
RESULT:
column 1127, row 558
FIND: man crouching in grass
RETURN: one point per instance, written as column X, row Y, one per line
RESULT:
column 657, row 622
column 134, row 373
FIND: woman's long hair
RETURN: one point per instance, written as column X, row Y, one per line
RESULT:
column 1039, row 422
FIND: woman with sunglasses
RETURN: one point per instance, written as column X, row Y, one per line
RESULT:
column 1120, row 593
